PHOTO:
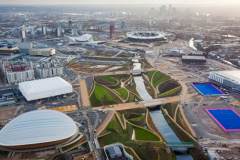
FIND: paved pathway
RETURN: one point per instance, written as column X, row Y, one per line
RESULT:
column 84, row 93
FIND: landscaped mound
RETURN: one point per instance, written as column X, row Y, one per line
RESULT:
column 162, row 84
column 141, row 140
column 113, row 89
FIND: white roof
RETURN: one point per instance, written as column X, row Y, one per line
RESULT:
column 233, row 75
column 137, row 66
column 35, row 127
column 44, row 88
column 82, row 38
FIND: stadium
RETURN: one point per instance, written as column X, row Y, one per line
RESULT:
column 38, row 130
column 146, row 36
column 227, row 79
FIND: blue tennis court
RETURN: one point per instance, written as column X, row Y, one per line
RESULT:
column 207, row 89
column 226, row 118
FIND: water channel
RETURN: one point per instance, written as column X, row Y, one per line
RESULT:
column 160, row 122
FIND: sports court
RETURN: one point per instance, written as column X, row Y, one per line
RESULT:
column 207, row 89
column 227, row 118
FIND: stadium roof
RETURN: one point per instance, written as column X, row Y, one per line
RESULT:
column 146, row 35
column 44, row 88
column 37, row 127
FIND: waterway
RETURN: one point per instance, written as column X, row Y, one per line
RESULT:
column 141, row 89
column 160, row 122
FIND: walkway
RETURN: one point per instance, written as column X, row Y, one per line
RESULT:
column 84, row 93
column 142, row 104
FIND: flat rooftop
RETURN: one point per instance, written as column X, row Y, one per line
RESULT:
column 191, row 57
column 44, row 88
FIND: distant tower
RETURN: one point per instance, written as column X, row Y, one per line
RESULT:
column 70, row 23
column 23, row 33
column 123, row 25
column 44, row 31
column 111, row 30
column 59, row 31
column 75, row 31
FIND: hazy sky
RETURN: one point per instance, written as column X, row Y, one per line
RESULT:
column 219, row 2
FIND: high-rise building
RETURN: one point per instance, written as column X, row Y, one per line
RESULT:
column 49, row 68
column 44, row 30
column 59, row 31
column 111, row 30
column 23, row 33
column 17, row 71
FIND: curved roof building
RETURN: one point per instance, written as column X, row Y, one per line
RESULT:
column 38, row 129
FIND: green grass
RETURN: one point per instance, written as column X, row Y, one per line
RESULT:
column 107, row 80
column 102, row 96
column 144, row 134
column 150, row 74
column 146, row 149
column 159, row 78
column 140, row 118
column 122, row 92
column 132, row 98
column 172, row 92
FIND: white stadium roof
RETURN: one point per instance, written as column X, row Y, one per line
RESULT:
column 37, row 127
column 146, row 35
column 44, row 88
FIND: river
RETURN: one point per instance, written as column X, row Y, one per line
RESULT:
column 159, row 120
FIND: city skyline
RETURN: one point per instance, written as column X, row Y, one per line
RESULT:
column 218, row 2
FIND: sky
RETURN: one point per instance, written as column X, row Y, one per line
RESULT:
column 219, row 2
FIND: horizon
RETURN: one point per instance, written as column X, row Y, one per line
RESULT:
column 122, row 2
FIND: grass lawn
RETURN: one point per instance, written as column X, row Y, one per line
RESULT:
column 139, row 118
column 107, row 80
column 144, row 134
column 102, row 96
column 145, row 149
column 122, row 92
column 159, row 78
column 172, row 92
column 150, row 74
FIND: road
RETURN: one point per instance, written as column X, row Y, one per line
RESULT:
column 84, row 93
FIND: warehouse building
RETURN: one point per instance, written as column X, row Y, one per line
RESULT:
column 44, row 88
column 227, row 79
column 9, row 51
column 194, row 59
column 38, row 130
column 42, row 52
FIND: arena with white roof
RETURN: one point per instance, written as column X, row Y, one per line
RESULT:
column 44, row 88
column 229, row 79
column 38, row 129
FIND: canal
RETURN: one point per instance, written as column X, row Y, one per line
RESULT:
column 160, row 122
